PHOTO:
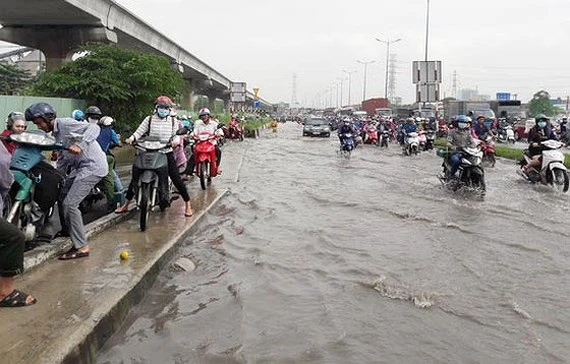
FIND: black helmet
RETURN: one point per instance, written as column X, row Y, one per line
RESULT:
column 40, row 110
column 93, row 110
column 13, row 116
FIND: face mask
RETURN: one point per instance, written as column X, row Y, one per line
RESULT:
column 92, row 120
column 163, row 112
column 542, row 124
column 461, row 125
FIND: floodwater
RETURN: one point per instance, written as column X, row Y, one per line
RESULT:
column 314, row 258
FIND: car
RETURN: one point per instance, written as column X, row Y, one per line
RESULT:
column 317, row 127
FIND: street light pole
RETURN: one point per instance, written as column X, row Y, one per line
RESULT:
column 387, row 42
column 365, row 63
column 427, row 31
column 341, row 88
column 349, row 82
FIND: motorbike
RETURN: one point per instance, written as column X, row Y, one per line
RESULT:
column 411, row 143
column 347, row 145
column 205, row 158
column 430, row 140
column 506, row 135
column 422, row 139
column 488, row 149
column 149, row 160
column 233, row 131
column 371, row 136
column 36, row 183
column 552, row 171
column 384, row 138
column 471, row 176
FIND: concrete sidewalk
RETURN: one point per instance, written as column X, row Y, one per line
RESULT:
column 82, row 302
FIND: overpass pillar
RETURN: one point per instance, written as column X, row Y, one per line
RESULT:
column 188, row 96
column 56, row 42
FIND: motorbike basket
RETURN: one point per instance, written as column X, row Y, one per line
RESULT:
column 150, row 160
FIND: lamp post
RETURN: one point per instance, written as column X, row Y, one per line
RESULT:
column 365, row 63
column 427, row 31
column 349, row 82
column 341, row 88
column 387, row 42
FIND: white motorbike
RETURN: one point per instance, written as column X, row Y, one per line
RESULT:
column 411, row 143
column 506, row 135
column 552, row 172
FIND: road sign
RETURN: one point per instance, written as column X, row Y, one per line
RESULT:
column 256, row 103
column 255, row 92
column 503, row 96
column 426, row 72
column 427, row 92
column 238, row 92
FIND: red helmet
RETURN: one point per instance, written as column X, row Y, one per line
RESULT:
column 163, row 101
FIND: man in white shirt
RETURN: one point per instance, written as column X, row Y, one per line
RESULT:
column 206, row 123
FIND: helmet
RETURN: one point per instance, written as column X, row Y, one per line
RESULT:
column 106, row 121
column 204, row 111
column 410, row 119
column 77, row 114
column 461, row 119
column 184, row 117
column 93, row 110
column 12, row 117
column 480, row 116
column 40, row 110
column 418, row 119
column 163, row 101
column 540, row 117
column 468, row 120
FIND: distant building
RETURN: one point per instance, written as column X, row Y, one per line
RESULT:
column 33, row 62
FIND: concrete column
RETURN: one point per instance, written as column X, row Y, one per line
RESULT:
column 212, row 102
column 189, row 95
column 56, row 42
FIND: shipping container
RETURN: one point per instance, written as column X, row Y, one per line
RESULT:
column 371, row 105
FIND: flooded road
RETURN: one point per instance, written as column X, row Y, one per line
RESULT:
column 313, row 258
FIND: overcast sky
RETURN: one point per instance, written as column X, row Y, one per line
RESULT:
column 517, row 46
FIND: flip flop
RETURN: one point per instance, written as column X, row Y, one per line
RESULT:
column 17, row 299
column 121, row 210
column 189, row 215
column 73, row 254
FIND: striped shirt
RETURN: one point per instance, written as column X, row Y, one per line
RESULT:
column 160, row 128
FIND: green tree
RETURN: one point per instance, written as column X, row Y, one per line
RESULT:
column 123, row 83
column 12, row 78
column 541, row 104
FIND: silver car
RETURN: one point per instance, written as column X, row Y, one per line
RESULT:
column 317, row 127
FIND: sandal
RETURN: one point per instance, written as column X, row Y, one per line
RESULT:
column 73, row 254
column 17, row 299
column 122, row 210
column 188, row 214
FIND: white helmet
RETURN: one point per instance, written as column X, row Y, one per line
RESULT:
column 106, row 121
column 204, row 111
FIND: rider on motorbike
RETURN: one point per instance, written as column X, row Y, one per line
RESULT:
column 207, row 123
column 407, row 128
column 538, row 133
column 457, row 139
column 15, row 124
column 480, row 129
column 345, row 128
column 93, row 114
column 162, row 126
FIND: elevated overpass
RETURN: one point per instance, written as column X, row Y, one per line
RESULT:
column 57, row 27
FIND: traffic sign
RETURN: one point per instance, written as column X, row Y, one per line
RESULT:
column 238, row 92
column 503, row 96
column 427, row 92
column 256, row 103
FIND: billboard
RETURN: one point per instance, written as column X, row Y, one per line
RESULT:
column 503, row 96
column 238, row 92
column 426, row 72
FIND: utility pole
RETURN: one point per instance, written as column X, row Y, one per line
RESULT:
column 392, row 80
column 387, row 42
column 365, row 63
column 454, row 87
column 349, row 82
column 294, row 95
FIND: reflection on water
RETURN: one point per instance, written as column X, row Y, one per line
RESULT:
column 313, row 258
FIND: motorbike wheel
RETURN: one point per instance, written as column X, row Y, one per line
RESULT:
column 415, row 150
column 144, row 205
column 489, row 160
column 560, row 180
column 204, row 173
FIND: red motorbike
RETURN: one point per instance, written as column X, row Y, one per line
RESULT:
column 233, row 131
column 205, row 158
column 371, row 135
column 488, row 148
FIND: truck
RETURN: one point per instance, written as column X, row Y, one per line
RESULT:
column 508, row 109
column 453, row 108
column 371, row 105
